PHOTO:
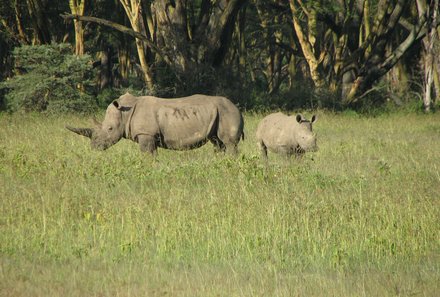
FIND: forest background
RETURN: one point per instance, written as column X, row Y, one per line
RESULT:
column 359, row 217
column 77, row 55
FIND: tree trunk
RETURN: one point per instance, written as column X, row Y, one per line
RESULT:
column 428, row 44
column 133, row 11
column 269, row 37
column 77, row 7
column 307, row 45
column 428, row 80
column 41, row 33
column 242, row 43
column 436, row 82
column 21, row 33
column 106, row 77
column 340, row 44
column 172, row 30
column 216, row 37
column 370, row 67
column 124, row 60
column 187, row 57
column 277, row 59
column 366, row 23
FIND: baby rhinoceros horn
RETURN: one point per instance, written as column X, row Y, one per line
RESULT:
column 81, row 131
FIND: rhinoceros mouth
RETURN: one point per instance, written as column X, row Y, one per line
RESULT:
column 300, row 150
column 101, row 144
column 100, row 147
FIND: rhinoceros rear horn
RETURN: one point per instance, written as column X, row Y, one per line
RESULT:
column 96, row 122
column 81, row 131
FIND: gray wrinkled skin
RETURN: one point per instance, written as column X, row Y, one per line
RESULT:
column 286, row 135
column 178, row 124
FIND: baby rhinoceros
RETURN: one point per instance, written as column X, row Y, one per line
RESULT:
column 286, row 135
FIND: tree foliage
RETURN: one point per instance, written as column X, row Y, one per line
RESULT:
column 286, row 52
column 50, row 79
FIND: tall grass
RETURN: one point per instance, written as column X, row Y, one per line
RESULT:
column 360, row 217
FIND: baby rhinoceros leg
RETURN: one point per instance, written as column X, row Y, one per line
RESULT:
column 263, row 149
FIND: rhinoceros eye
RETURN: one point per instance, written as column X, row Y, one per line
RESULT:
column 110, row 128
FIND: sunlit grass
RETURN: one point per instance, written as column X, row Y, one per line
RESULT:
column 358, row 217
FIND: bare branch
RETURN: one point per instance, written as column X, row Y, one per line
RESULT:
column 119, row 28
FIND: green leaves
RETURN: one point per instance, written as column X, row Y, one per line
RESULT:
column 49, row 78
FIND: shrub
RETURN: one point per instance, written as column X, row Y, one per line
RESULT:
column 50, row 79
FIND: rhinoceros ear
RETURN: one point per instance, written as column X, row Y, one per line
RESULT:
column 299, row 118
column 116, row 104
column 81, row 131
column 314, row 118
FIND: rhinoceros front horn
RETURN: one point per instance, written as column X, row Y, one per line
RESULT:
column 81, row 131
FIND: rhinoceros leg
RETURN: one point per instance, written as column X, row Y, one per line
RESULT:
column 263, row 149
column 232, row 148
column 219, row 146
column 230, row 130
column 147, row 144
column 227, row 143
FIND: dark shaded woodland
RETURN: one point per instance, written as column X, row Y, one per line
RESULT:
column 271, row 54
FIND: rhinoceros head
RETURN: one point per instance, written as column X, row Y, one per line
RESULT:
column 107, row 133
column 305, row 136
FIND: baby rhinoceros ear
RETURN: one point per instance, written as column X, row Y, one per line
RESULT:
column 314, row 118
column 299, row 118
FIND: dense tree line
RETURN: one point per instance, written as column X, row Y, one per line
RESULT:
column 259, row 52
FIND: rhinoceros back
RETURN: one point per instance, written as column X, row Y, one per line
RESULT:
column 185, row 123
column 186, row 126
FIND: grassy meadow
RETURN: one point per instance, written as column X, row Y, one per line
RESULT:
column 360, row 217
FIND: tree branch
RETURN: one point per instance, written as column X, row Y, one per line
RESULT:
column 119, row 28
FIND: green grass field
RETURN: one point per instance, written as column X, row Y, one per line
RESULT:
column 360, row 217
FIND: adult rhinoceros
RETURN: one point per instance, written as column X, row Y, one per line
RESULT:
column 178, row 124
